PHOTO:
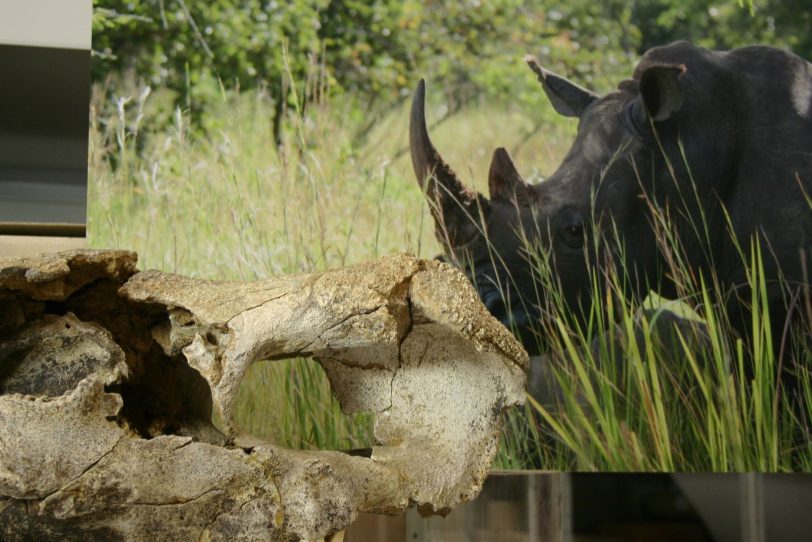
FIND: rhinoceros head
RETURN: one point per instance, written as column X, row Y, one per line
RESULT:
column 503, row 241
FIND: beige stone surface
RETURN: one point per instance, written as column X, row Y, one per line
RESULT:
column 105, row 411
column 15, row 246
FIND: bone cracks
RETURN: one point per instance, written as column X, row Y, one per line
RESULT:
column 108, row 380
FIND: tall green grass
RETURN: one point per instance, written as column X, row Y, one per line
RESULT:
column 641, row 390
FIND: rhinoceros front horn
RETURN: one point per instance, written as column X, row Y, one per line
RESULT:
column 459, row 213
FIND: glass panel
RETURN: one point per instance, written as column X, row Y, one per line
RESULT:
column 44, row 102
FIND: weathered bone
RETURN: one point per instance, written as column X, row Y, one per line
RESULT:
column 403, row 338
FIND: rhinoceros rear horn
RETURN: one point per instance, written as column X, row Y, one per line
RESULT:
column 504, row 181
column 567, row 98
column 458, row 211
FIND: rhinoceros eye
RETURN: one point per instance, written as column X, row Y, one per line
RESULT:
column 571, row 227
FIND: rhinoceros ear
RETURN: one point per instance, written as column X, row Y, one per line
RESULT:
column 567, row 98
column 504, row 181
column 661, row 90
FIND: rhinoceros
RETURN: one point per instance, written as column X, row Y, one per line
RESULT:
column 720, row 143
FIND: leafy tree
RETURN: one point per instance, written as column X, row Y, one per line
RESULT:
column 175, row 44
column 725, row 25
column 377, row 49
column 372, row 47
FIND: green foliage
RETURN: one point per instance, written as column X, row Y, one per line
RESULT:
column 241, row 42
column 177, row 44
column 376, row 50
column 725, row 25
column 373, row 49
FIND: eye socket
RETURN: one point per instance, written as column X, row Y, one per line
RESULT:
column 571, row 226
column 634, row 117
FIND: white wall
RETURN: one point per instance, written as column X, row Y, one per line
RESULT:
column 46, row 23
